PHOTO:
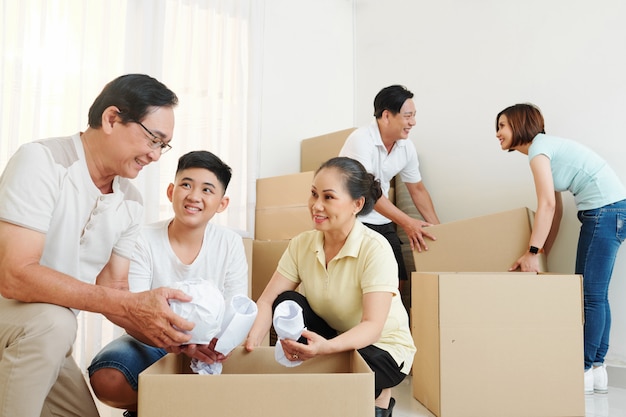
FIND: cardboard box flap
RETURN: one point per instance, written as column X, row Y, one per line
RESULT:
column 426, row 375
column 503, row 299
column 261, row 361
column 317, row 150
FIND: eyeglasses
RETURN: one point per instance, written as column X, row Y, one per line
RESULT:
column 154, row 141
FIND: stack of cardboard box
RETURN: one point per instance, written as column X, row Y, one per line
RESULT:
column 281, row 213
column 282, row 206
column 493, row 343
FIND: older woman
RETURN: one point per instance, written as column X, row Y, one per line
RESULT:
column 349, row 275
column 558, row 165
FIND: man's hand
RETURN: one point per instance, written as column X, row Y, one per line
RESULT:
column 150, row 319
column 416, row 233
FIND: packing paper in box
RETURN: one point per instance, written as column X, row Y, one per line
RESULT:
column 238, row 319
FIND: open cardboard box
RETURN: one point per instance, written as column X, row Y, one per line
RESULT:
column 498, row 344
column 486, row 243
column 254, row 384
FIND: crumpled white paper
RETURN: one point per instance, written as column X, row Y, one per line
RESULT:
column 206, row 309
column 289, row 324
column 240, row 314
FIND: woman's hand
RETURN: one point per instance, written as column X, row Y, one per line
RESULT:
column 254, row 339
column 296, row 351
column 526, row 263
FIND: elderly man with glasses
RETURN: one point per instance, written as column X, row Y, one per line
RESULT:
column 69, row 217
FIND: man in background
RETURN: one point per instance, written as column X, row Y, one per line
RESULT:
column 384, row 149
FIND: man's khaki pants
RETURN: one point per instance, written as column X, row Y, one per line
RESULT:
column 38, row 376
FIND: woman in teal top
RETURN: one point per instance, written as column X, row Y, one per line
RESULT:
column 558, row 165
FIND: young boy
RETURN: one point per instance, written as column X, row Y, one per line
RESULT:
column 183, row 248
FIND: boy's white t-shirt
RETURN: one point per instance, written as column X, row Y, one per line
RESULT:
column 221, row 260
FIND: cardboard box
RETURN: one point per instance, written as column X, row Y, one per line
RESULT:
column 498, row 344
column 282, row 206
column 317, row 150
column 266, row 254
column 481, row 244
column 247, row 246
column 254, row 384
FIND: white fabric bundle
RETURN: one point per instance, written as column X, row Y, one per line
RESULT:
column 206, row 309
column 288, row 324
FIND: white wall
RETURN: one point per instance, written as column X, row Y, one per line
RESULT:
column 308, row 79
column 465, row 60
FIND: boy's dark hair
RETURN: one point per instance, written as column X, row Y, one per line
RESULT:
column 391, row 98
column 133, row 95
column 357, row 181
column 208, row 161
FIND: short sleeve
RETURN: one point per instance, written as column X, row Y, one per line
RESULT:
column 411, row 171
column 236, row 280
column 30, row 174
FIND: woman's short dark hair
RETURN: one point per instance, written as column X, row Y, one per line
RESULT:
column 133, row 95
column 208, row 161
column 391, row 98
column 526, row 122
column 357, row 181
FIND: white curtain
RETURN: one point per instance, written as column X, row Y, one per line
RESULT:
column 57, row 56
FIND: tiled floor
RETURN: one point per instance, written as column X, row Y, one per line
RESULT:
column 612, row 404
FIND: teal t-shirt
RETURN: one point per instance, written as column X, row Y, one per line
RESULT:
column 579, row 170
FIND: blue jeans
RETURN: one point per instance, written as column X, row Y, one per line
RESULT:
column 129, row 356
column 602, row 231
